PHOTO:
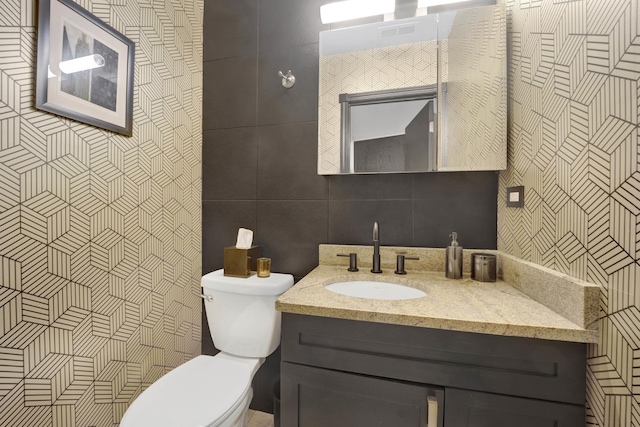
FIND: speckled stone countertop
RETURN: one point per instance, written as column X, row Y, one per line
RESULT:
column 558, row 307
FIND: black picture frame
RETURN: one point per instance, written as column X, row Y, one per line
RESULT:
column 102, row 96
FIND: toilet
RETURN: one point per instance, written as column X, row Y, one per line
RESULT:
column 216, row 390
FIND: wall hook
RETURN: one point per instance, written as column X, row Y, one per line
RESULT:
column 289, row 80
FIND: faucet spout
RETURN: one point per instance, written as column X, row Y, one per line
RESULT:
column 376, row 248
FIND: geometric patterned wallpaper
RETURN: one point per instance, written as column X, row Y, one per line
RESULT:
column 473, row 119
column 574, row 110
column 368, row 70
column 100, row 234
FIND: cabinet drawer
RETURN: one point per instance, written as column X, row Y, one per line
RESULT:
column 313, row 397
column 527, row 367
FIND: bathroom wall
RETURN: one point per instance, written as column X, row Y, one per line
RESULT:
column 260, row 150
column 100, row 234
column 574, row 144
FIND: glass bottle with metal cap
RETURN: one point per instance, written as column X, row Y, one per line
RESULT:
column 453, row 267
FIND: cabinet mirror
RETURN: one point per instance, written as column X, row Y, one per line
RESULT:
column 420, row 94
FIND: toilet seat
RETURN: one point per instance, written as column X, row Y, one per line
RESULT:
column 199, row 393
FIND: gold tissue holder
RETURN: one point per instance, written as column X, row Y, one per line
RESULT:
column 240, row 262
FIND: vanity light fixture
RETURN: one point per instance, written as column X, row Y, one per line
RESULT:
column 429, row 3
column 81, row 64
column 426, row 7
column 352, row 9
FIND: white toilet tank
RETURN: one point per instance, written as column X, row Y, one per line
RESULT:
column 241, row 312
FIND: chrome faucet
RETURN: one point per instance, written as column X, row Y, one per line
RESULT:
column 376, row 249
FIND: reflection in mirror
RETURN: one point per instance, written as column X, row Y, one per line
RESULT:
column 371, row 58
column 388, row 131
column 462, row 53
column 473, row 90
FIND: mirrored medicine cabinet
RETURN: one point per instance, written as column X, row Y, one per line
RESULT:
column 420, row 94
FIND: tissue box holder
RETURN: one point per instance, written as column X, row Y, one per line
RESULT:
column 240, row 262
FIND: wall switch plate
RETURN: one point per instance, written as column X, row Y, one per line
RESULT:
column 515, row 197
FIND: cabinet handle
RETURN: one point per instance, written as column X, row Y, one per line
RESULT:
column 432, row 414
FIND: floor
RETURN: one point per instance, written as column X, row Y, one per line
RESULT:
column 260, row 419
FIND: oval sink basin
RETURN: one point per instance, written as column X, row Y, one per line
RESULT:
column 375, row 290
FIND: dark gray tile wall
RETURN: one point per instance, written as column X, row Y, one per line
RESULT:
column 260, row 154
column 287, row 162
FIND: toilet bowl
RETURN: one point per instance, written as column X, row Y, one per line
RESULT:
column 216, row 390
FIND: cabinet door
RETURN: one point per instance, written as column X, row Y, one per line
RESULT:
column 475, row 409
column 313, row 397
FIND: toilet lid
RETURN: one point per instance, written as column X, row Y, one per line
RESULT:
column 195, row 394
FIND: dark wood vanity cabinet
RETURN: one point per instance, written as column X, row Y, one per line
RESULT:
column 337, row 372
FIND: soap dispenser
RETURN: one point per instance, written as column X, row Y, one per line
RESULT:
column 453, row 268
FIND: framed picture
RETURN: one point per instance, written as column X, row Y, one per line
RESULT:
column 85, row 67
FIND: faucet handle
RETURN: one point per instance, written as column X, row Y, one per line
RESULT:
column 353, row 261
column 400, row 259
